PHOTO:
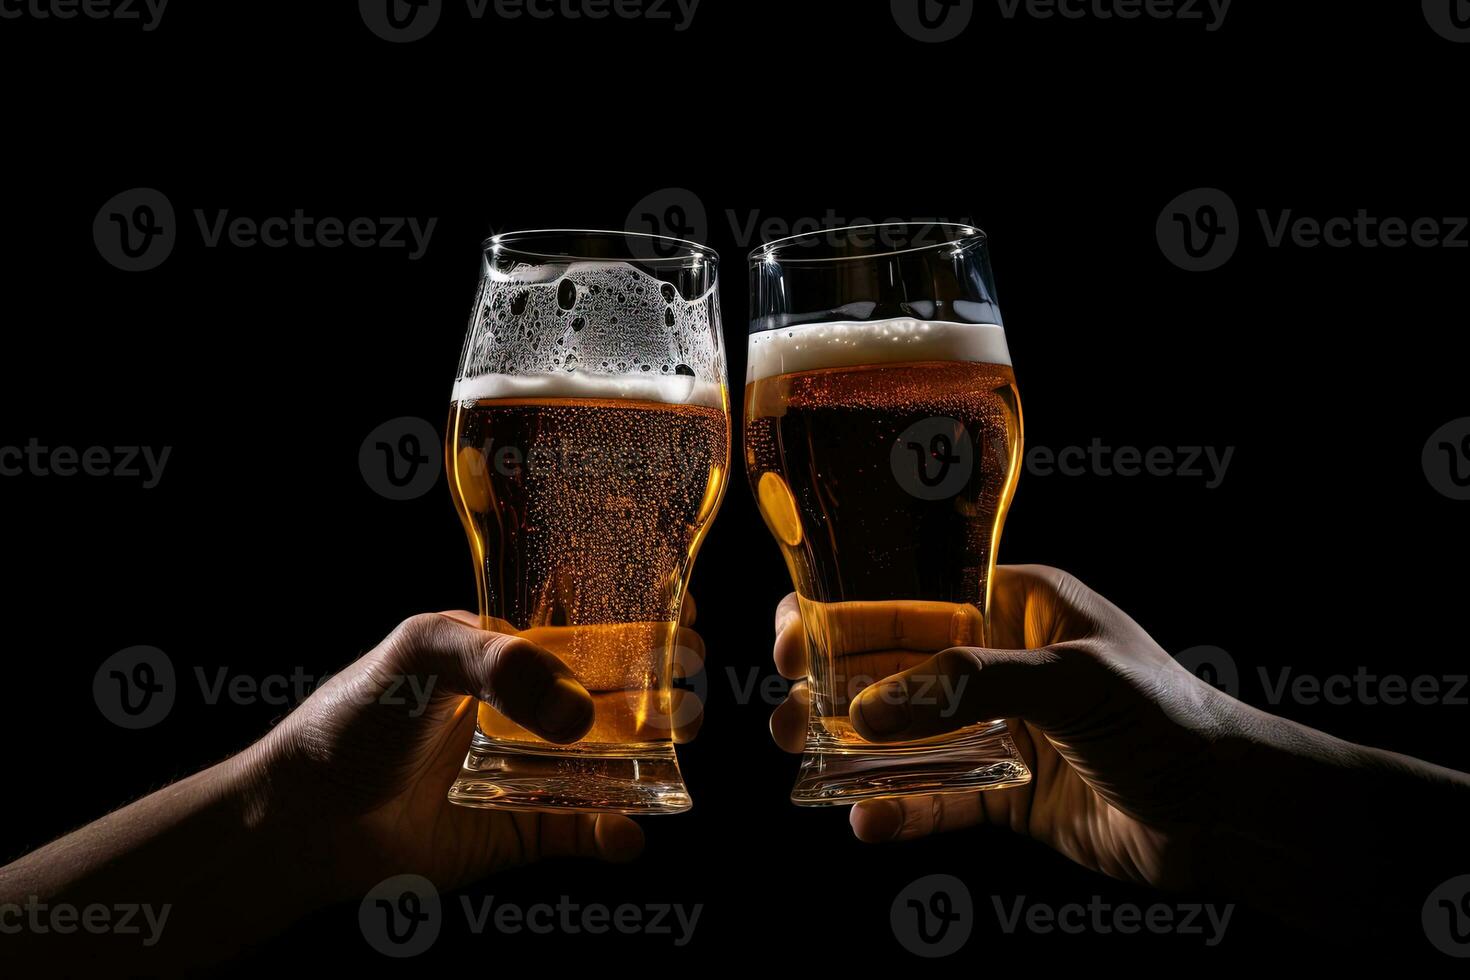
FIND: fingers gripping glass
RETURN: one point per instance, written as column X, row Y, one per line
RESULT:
column 589, row 440
column 882, row 442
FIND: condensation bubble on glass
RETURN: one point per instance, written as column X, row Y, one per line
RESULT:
column 591, row 329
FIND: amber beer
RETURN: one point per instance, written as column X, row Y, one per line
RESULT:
column 584, row 514
column 883, row 456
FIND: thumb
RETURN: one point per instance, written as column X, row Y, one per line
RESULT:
column 962, row 686
column 522, row 681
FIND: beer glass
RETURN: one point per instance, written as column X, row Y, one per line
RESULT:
column 588, row 445
column 882, row 442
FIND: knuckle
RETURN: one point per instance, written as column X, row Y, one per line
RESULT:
column 1061, row 580
column 1079, row 656
column 505, row 655
column 414, row 635
column 957, row 660
column 786, row 611
column 420, row 625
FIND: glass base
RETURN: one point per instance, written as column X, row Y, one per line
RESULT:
column 502, row 776
column 838, row 773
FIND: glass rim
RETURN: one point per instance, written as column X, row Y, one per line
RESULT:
column 509, row 241
column 959, row 236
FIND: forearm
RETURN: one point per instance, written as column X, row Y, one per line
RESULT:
column 1301, row 813
column 188, row 874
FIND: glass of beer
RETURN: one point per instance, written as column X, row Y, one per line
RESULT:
column 883, row 442
column 588, row 444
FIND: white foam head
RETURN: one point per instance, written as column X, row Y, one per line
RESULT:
column 677, row 390
column 577, row 329
column 851, row 343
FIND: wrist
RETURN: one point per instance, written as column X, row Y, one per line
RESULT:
column 266, row 798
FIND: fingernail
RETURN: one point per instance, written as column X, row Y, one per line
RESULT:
column 882, row 710
column 565, row 709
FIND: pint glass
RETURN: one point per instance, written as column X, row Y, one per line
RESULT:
column 883, row 442
column 588, row 446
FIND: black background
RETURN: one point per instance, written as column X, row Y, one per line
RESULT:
column 1325, row 548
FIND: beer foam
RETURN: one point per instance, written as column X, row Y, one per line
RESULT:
column 678, row 390
column 852, row 343
column 591, row 330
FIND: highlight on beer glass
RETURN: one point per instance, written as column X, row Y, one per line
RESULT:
column 883, row 442
column 588, row 447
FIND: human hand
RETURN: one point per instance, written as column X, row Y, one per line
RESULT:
column 357, row 775
column 1118, row 736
